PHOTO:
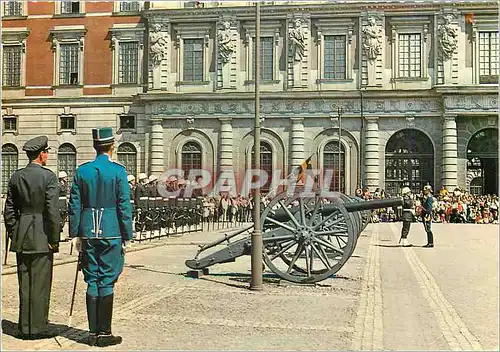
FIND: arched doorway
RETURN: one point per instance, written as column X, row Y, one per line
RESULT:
column 66, row 161
column 9, row 164
column 482, row 161
column 127, row 155
column 333, row 159
column 266, row 163
column 190, row 157
column 409, row 161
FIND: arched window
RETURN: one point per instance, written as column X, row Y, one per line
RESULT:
column 409, row 161
column 127, row 155
column 191, row 157
column 266, row 163
column 9, row 164
column 482, row 161
column 66, row 161
column 333, row 160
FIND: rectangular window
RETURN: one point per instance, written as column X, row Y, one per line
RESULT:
column 13, row 8
column 126, row 6
column 335, row 56
column 10, row 123
column 70, row 7
column 67, row 122
column 409, row 55
column 193, row 60
column 127, row 122
column 128, row 62
column 12, row 66
column 266, row 59
column 488, row 57
column 68, row 66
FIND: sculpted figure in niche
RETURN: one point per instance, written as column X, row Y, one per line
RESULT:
column 447, row 35
column 298, row 40
column 158, row 43
column 226, row 46
column 372, row 41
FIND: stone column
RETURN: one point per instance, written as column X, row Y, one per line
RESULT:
column 297, row 143
column 372, row 160
column 226, row 161
column 450, row 153
column 157, row 148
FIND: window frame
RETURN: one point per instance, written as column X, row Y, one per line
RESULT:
column 60, row 129
column 70, row 170
column 59, row 13
column 119, row 119
column 481, row 23
column 342, row 27
column 343, row 160
column 24, row 10
column 117, row 9
column 62, row 35
column 410, row 25
column 490, row 51
column 121, row 152
column 5, row 185
column 127, row 33
column 200, row 150
column 11, row 117
column 16, row 36
column 268, row 29
column 192, row 31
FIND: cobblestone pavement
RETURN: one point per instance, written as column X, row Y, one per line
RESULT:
column 385, row 297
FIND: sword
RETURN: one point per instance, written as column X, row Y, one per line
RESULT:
column 78, row 268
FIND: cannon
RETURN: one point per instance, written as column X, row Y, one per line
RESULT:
column 306, row 238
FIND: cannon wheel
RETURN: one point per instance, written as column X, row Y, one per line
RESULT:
column 310, row 247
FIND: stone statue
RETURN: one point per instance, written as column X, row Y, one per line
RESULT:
column 447, row 37
column 298, row 40
column 158, row 43
column 372, row 39
column 226, row 46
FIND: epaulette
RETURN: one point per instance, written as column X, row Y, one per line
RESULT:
column 117, row 163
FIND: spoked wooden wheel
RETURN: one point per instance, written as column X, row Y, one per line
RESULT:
column 306, row 244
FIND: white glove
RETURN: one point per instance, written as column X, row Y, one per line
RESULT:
column 125, row 245
column 77, row 243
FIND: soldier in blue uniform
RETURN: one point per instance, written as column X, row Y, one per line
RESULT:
column 100, row 223
column 427, row 202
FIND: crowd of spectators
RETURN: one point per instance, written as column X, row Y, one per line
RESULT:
column 455, row 206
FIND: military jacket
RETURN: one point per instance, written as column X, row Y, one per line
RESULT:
column 63, row 201
column 407, row 209
column 427, row 205
column 141, row 195
column 31, row 211
column 99, row 204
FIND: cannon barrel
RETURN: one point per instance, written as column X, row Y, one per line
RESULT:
column 327, row 209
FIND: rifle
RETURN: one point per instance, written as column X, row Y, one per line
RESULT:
column 78, row 268
column 6, row 248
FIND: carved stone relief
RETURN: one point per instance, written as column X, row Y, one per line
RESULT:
column 158, row 42
column 226, row 45
column 297, row 40
column 447, row 37
column 372, row 39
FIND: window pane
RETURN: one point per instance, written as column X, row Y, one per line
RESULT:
column 13, row 8
column 128, row 62
column 335, row 56
column 409, row 55
column 70, row 7
column 333, row 157
column 266, row 58
column 191, row 157
column 129, row 6
column 66, row 161
column 12, row 66
column 488, row 57
column 193, row 60
column 68, row 65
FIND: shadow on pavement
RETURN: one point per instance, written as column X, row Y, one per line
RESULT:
column 144, row 268
column 63, row 330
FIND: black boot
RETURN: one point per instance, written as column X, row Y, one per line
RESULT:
column 92, row 311
column 105, row 337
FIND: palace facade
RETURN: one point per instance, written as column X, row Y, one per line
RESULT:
column 385, row 94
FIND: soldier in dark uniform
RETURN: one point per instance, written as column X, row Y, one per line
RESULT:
column 31, row 217
column 132, row 185
column 407, row 216
column 100, row 223
column 427, row 202
column 63, row 199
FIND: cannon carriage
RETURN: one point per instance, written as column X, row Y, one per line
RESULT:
column 306, row 238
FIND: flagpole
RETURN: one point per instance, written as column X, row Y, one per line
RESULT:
column 256, row 254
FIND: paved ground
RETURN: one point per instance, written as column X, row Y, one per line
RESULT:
column 385, row 297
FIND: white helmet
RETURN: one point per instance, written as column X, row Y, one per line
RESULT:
column 143, row 176
column 63, row 174
column 152, row 178
column 130, row 178
column 406, row 190
column 428, row 188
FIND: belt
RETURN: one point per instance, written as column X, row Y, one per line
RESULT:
column 143, row 198
column 132, row 201
column 407, row 209
column 62, row 198
column 152, row 198
column 159, row 198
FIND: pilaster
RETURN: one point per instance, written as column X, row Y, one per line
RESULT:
column 450, row 152
column 297, row 142
column 372, row 161
column 226, row 161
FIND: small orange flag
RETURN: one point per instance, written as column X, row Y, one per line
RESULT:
column 469, row 18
